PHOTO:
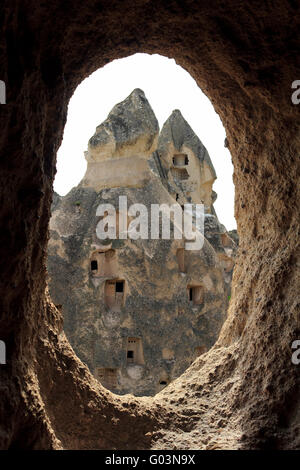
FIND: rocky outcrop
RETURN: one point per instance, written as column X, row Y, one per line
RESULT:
column 190, row 175
column 138, row 312
column 186, row 161
column 118, row 151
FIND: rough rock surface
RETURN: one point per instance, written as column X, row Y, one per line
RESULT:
column 244, row 392
column 127, row 138
column 154, row 316
column 177, row 133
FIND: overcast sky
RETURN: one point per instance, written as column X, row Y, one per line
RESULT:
column 167, row 87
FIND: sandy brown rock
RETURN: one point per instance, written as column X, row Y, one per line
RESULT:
column 139, row 312
column 244, row 56
column 118, row 151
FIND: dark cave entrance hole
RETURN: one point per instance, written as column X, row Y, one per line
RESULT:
column 94, row 265
column 120, row 286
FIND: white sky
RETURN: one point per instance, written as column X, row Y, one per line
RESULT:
column 167, row 86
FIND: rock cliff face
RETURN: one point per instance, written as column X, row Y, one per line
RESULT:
column 139, row 311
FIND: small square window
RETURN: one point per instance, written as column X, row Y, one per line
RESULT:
column 94, row 265
column 196, row 294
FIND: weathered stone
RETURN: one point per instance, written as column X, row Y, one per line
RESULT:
column 118, row 151
column 158, row 275
column 236, row 52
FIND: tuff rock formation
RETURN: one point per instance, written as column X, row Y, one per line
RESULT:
column 138, row 312
column 118, row 151
column 244, row 392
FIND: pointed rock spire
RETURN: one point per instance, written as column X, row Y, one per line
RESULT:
column 131, row 123
column 177, row 130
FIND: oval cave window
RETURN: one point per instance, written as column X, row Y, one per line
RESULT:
column 135, row 350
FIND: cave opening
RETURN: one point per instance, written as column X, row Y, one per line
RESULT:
column 120, row 286
column 110, row 173
column 248, row 78
column 94, row 265
column 130, row 354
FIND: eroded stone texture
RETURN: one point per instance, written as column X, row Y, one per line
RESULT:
column 139, row 312
column 244, row 392
column 127, row 138
column 186, row 161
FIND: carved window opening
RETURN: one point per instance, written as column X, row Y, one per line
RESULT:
column 196, row 294
column 114, row 294
column 180, row 159
column 107, row 377
column 164, row 381
column 94, row 265
column 119, row 286
column 130, row 356
column 103, row 263
column 131, row 353
column 135, row 351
